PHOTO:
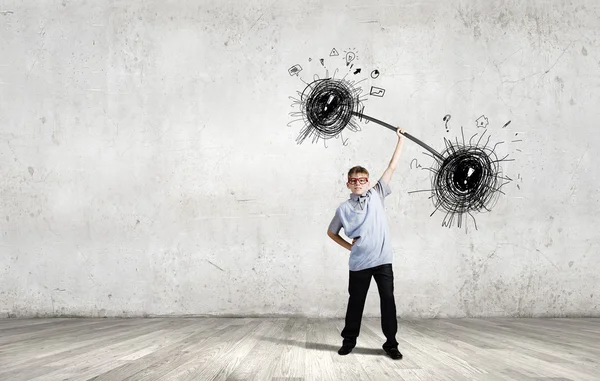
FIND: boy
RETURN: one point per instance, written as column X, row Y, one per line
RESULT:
column 363, row 220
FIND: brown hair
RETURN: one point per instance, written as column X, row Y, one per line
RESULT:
column 356, row 170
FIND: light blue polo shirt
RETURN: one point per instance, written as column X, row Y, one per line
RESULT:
column 364, row 217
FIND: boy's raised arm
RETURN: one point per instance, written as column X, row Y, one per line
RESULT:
column 387, row 175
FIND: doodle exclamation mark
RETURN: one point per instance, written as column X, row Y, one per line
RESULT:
column 329, row 102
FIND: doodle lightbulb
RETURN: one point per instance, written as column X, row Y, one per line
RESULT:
column 350, row 56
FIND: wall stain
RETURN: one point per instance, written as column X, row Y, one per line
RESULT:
column 215, row 265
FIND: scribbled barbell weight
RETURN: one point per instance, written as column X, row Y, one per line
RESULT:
column 468, row 180
column 329, row 106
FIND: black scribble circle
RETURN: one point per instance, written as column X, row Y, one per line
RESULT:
column 329, row 106
column 326, row 108
column 466, row 181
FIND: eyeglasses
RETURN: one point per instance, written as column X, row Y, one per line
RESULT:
column 361, row 180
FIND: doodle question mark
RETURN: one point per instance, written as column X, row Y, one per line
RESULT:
column 446, row 119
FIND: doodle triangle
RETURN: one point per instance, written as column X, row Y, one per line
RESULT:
column 334, row 53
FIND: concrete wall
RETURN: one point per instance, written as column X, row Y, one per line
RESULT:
column 148, row 169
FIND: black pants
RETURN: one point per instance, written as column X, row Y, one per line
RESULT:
column 357, row 288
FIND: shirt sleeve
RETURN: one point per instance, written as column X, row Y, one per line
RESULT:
column 336, row 224
column 382, row 188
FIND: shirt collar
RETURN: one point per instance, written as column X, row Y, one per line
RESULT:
column 360, row 199
column 357, row 197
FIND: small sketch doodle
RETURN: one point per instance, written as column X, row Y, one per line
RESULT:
column 375, row 74
column 482, row 122
column 357, row 71
column 506, row 124
column 417, row 165
column 377, row 91
column 334, row 53
column 446, row 119
column 294, row 70
column 322, row 61
column 350, row 56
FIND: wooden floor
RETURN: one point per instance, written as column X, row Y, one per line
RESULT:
column 293, row 349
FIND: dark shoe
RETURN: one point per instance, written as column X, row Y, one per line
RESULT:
column 394, row 353
column 344, row 350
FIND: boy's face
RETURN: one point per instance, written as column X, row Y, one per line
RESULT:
column 354, row 183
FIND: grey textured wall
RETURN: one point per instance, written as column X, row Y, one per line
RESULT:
column 148, row 169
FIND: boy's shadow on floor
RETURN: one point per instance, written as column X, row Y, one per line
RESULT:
column 322, row 347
